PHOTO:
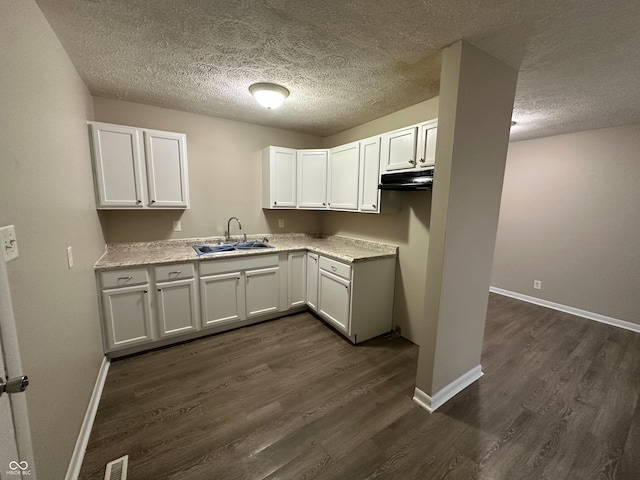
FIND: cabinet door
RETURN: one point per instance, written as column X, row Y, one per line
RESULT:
column 344, row 170
column 334, row 300
column 369, row 175
column 177, row 307
column 117, row 165
column 262, row 291
column 399, row 149
column 312, row 281
column 166, row 161
column 282, row 174
column 127, row 316
column 427, row 144
column 297, row 265
column 312, row 178
column 221, row 299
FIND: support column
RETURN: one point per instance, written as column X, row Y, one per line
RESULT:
column 476, row 101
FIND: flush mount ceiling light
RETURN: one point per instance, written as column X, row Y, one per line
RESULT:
column 269, row 95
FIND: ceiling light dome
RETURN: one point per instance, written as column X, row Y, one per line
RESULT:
column 269, row 95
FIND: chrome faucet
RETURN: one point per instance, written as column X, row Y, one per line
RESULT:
column 229, row 227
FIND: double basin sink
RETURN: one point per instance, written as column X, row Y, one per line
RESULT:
column 211, row 249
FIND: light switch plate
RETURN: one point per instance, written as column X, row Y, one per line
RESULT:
column 8, row 242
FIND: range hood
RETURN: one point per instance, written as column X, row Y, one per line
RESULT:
column 407, row 181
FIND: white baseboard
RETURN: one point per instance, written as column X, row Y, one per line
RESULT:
column 85, row 430
column 634, row 327
column 432, row 403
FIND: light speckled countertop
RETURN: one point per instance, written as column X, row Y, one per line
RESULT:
column 347, row 249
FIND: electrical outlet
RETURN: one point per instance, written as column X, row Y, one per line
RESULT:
column 69, row 257
column 8, row 242
column 537, row 284
column 177, row 226
column 281, row 222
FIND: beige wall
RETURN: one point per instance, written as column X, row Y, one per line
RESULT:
column 569, row 218
column 46, row 191
column 476, row 101
column 224, row 176
column 409, row 229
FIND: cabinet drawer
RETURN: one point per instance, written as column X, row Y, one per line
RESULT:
column 174, row 272
column 124, row 278
column 336, row 268
column 212, row 267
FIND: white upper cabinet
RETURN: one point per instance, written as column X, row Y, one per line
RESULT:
column 279, row 177
column 399, row 149
column 369, row 200
column 117, row 166
column 166, row 155
column 312, row 178
column 428, row 133
column 130, row 175
column 344, row 172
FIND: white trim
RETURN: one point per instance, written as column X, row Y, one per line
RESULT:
column 431, row 404
column 634, row 327
column 85, row 430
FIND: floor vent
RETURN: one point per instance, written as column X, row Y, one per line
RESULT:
column 117, row 470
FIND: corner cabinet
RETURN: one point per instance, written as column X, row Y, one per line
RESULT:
column 138, row 168
column 279, row 178
column 312, row 179
column 343, row 177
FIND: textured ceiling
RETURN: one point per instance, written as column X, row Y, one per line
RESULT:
column 350, row 61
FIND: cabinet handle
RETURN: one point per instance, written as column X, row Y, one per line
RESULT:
column 324, row 204
column 177, row 272
column 335, row 269
column 422, row 160
column 125, row 278
column 153, row 201
column 159, row 289
column 138, row 201
column 373, row 206
column 275, row 203
column 412, row 162
column 146, row 291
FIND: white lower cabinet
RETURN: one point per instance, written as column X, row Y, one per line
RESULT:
column 262, row 291
column 355, row 298
column 334, row 300
column 312, row 281
column 297, row 279
column 221, row 298
column 177, row 307
column 127, row 316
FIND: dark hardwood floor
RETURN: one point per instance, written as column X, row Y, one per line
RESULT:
column 290, row 399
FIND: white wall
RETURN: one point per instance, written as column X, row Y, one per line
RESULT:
column 570, row 218
column 46, row 191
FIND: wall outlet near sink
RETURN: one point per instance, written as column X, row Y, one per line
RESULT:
column 281, row 222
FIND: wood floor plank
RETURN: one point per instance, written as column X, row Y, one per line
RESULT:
column 291, row 399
